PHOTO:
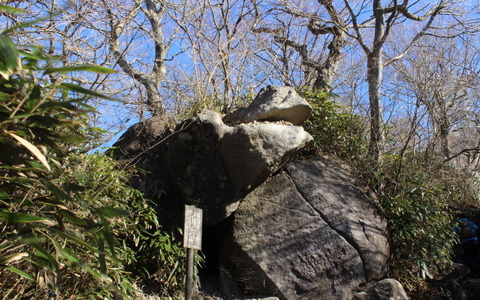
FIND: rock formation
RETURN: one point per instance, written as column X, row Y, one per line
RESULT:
column 295, row 229
column 273, row 103
column 307, row 233
column 209, row 164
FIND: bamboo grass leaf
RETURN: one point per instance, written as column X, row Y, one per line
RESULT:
column 13, row 257
column 94, row 69
column 9, row 60
column 34, row 150
column 10, row 9
column 71, row 217
column 111, row 212
column 57, row 191
column 21, row 273
column 16, row 218
column 76, row 88
column 74, row 239
column 101, row 253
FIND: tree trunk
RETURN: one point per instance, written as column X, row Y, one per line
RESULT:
column 330, row 66
column 374, row 78
column 154, row 98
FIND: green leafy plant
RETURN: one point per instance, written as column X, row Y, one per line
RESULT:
column 161, row 264
column 70, row 226
column 417, row 205
column 146, row 252
column 50, row 232
column 334, row 132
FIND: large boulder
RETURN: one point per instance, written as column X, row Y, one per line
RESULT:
column 460, row 283
column 196, row 168
column 214, row 165
column 307, row 233
column 253, row 151
column 273, row 103
column 143, row 147
column 299, row 229
column 141, row 137
column 206, row 163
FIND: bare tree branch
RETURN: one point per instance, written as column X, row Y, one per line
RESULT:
column 150, row 81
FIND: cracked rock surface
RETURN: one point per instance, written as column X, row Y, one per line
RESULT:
column 205, row 162
column 307, row 233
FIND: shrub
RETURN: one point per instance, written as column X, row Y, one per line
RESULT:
column 334, row 132
column 417, row 205
column 51, row 232
column 70, row 225
column 144, row 251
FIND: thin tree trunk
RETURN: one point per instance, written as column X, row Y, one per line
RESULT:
column 374, row 78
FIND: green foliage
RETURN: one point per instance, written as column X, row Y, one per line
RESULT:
column 51, row 230
column 69, row 223
column 417, row 205
column 145, row 251
column 334, row 132
column 215, row 103
column 416, row 196
column 160, row 263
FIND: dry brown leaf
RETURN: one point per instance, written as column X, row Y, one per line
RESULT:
column 34, row 150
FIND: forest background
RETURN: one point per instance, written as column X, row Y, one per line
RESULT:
column 394, row 85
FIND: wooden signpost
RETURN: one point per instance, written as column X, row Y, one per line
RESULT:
column 192, row 240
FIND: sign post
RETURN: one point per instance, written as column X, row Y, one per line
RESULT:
column 192, row 240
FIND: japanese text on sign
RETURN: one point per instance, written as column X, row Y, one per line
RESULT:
column 192, row 229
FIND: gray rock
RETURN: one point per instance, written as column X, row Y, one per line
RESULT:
column 206, row 163
column 301, row 232
column 329, row 187
column 141, row 137
column 307, row 233
column 471, row 288
column 458, row 283
column 215, row 165
column 273, row 103
column 387, row 289
column 143, row 146
column 253, row 151
column 196, row 168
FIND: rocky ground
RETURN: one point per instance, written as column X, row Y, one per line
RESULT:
column 208, row 291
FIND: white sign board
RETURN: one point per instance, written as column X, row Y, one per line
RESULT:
column 192, row 228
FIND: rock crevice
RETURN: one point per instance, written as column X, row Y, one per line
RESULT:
column 344, row 235
column 290, row 230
